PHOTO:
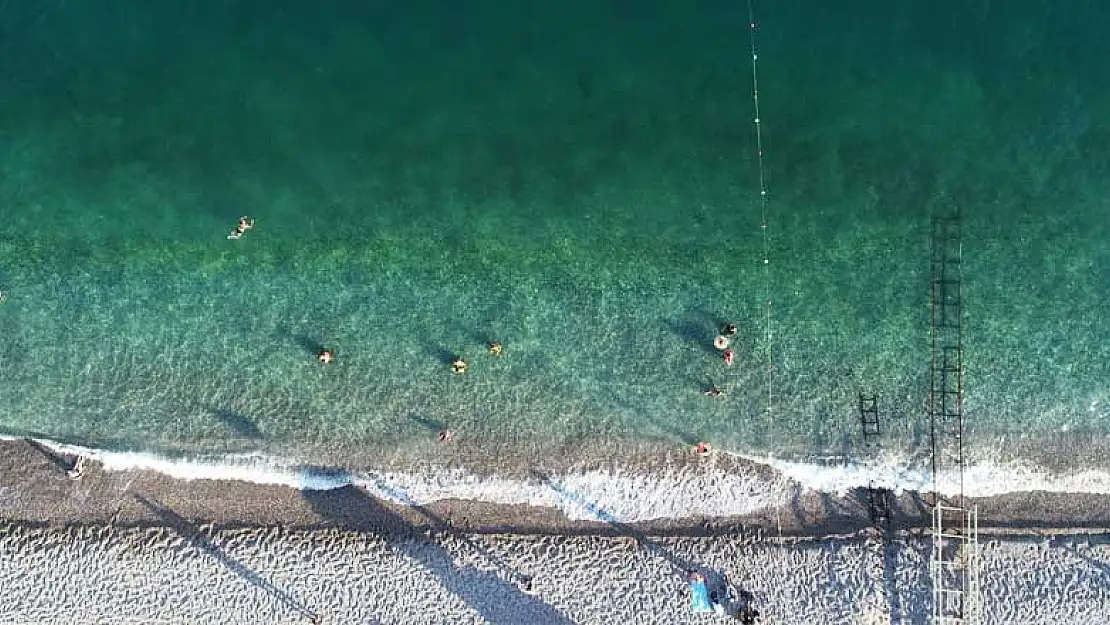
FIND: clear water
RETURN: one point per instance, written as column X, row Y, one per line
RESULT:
column 575, row 181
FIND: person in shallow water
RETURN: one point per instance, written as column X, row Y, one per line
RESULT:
column 495, row 348
column 245, row 223
column 326, row 356
column 458, row 366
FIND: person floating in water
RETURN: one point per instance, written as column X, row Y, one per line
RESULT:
column 495, row 348
column 245, row 223
column 458, row 366
column 729, row 357
column 721, row 342
column 326, row 356
column 729, row 329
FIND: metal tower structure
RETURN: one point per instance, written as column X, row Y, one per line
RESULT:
column 954, row 566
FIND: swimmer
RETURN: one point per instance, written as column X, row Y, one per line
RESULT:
column 445, row 436
column 3, row 296
column 326, row 356
column 729, row 357
column 721, row 342
column 715, row 392
column 458, row 366
column 495, row 348
column 729, row 329
column 245, row 223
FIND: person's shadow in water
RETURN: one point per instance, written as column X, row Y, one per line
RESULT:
column 498, row 601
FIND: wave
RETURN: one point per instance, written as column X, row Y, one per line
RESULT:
column 623, row 496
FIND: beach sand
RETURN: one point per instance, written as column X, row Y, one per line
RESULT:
column 187, row 573
column 140, row 547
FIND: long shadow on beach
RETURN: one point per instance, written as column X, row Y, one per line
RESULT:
column 741, row 606
column 440, row 524
column 498, row 601
column 56, row 459
column 679, row 565
column 191, row 533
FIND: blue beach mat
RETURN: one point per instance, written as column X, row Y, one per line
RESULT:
column 699, row 597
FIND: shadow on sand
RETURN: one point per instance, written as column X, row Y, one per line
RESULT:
column 737, row 602
column 679, row 565
column 58, row 460
column 195, row 537
column 497, row 600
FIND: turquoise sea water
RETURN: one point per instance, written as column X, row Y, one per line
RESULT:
column 574, row 179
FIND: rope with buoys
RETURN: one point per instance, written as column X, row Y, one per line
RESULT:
column 764, row 210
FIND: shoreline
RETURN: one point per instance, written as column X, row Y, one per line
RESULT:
column 164, row 550
column 36, row 491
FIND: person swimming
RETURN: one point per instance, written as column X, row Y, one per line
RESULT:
column 245, row 223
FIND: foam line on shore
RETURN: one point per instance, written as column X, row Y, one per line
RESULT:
column 980, row 480
column 611, row 495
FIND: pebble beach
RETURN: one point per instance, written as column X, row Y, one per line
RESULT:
column 190, row 574
column 137, row 546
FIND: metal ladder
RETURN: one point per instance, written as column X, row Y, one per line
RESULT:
column 954, row 565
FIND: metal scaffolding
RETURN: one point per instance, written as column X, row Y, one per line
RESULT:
column 954, row 566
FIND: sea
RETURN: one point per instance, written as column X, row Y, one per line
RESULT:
column 597, row 186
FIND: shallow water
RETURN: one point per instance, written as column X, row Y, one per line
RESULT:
column 579, row 183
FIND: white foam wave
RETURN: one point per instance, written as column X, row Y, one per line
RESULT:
column 613, row 496
column 983, row 479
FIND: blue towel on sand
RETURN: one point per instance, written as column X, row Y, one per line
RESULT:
column 699, row 597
